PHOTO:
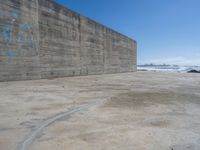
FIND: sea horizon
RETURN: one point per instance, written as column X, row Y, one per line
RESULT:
column 167, row 67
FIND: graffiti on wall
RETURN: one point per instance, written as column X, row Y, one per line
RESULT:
column 7, row 33
column 21, row 37
column 10, row 54
column 24, row 26
column 16, row 32
column 14, row 14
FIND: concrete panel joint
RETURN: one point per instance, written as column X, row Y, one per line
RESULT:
column 42, row 39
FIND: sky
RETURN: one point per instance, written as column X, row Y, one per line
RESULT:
column 166, row 31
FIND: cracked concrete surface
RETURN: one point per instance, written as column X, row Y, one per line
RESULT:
column 140, row 111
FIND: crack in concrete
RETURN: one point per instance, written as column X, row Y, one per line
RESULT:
column 24, row 145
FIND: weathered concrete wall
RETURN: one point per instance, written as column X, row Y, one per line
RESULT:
column 41, row 39
column 19, row 40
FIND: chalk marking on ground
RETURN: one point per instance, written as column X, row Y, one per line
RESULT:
column 34, row 134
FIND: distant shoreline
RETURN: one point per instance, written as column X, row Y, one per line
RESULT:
column 169, row 68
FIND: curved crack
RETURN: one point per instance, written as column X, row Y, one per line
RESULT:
column 33, row 135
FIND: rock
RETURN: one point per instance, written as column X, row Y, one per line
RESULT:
column 194, row 71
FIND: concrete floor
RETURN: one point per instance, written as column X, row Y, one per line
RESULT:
column 130, row 111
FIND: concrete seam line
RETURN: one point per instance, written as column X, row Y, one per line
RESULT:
column 33, row 135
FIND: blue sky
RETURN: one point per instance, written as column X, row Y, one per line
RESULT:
column 167, row 31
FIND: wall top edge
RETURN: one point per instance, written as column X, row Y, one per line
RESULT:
column 100, row 24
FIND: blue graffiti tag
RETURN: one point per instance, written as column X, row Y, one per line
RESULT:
column 7, row 33
column 20, row 38
column 14, row 14
column 24, row 25
column 31, row 45
column 11, row 54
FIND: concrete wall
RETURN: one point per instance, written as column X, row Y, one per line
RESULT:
column 41, row 39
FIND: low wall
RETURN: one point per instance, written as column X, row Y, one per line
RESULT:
column 41, row 39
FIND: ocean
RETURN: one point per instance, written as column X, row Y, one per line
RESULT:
column 167, row 68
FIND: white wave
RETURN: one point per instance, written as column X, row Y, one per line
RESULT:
column 167, row 68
